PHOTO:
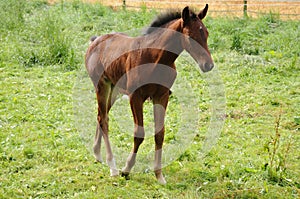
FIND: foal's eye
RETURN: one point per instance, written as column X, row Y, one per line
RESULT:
column 201, row 29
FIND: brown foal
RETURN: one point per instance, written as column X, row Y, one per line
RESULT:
column 143, row 67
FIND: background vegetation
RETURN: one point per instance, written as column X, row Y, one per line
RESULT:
column 42, row 154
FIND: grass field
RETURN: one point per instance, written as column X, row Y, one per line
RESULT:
column 44, row 155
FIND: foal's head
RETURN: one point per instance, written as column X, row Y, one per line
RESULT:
column 195, row 37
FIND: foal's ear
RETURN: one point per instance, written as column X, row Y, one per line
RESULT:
column 186, row 14
column 202, row 13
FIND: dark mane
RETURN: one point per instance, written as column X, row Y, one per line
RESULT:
column 162, row 20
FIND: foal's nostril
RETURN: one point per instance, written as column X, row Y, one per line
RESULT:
column 208, row 66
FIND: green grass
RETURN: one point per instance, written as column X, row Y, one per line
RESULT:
column 43, row 154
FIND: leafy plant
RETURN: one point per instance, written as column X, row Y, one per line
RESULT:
column 236, row 42
column 277, row 164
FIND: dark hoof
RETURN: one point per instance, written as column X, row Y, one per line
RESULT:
column 125, row 175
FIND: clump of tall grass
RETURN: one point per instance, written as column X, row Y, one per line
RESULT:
column 277, row 155
column 38, row 34
column 11, row 14
column 52, row 43
column 58, row 43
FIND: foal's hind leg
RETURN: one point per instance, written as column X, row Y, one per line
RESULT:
column 99, row 132
column 97, row 144
column 136, row 103
column 103, row 92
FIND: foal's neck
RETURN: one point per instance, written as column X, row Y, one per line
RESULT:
column 168, row 40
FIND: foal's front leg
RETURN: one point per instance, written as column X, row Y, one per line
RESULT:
column 136, row 104
column 159, row 110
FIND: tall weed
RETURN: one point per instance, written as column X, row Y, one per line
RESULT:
column 277, row 155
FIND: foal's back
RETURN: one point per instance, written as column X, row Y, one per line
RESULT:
column 107, row 56
column 113, row 56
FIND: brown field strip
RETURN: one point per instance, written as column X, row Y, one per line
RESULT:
column 287, row 9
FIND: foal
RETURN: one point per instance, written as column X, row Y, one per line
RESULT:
column 143, row 67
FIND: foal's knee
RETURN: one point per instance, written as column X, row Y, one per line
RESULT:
column 138, row 141
column 139, row 135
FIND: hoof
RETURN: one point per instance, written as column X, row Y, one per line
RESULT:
column 125, row 175
column 98, row 158
column 114, row 172
column 162, row 181
column 160, row 178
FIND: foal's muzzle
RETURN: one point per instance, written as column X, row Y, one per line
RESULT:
column 206, row 67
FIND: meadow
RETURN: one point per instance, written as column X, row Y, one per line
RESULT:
column 45, row 151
